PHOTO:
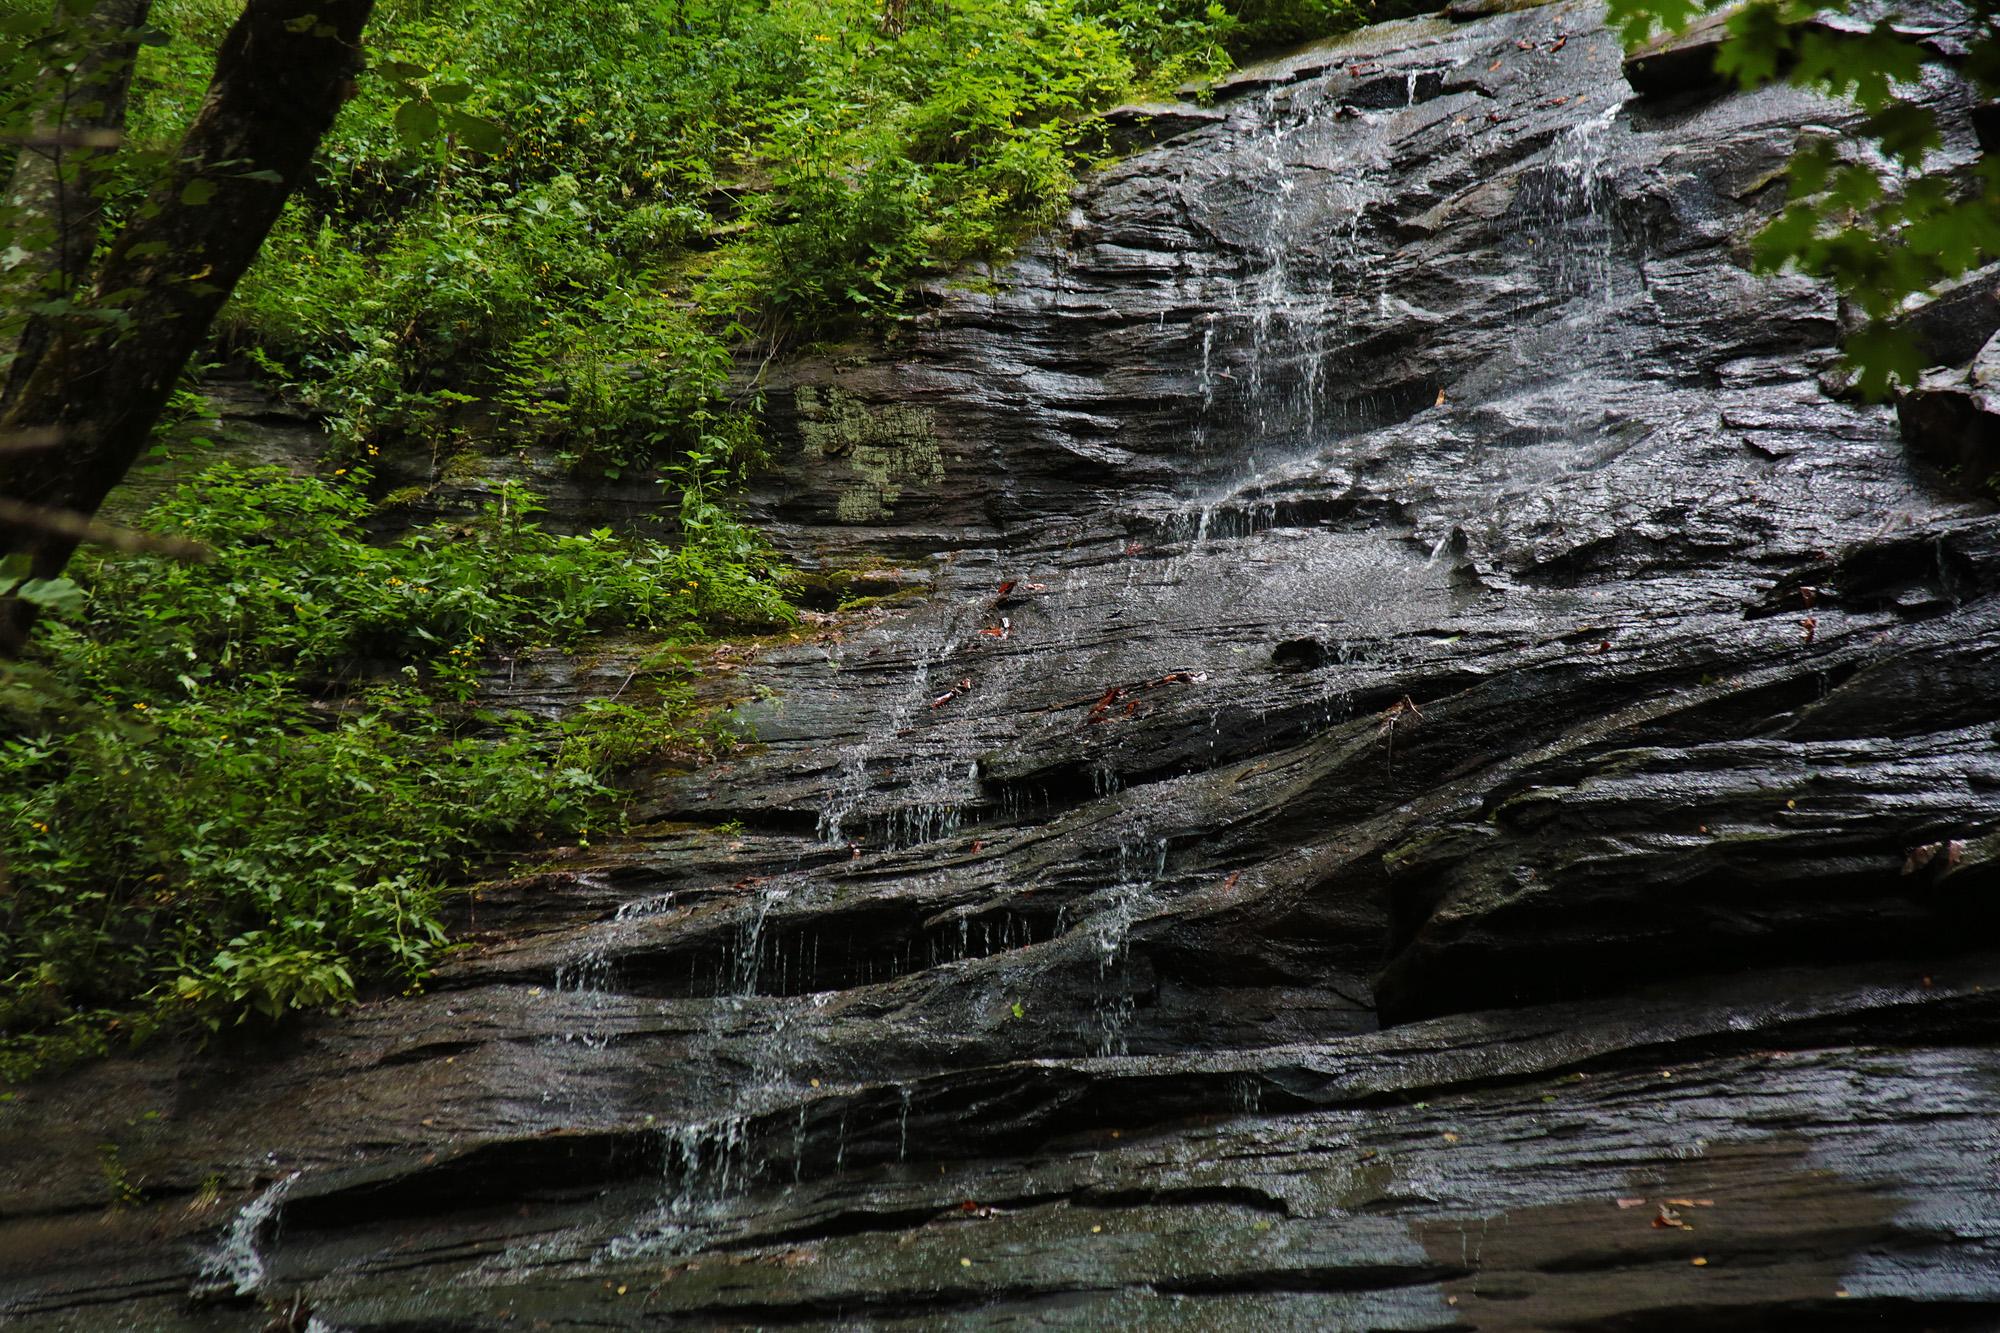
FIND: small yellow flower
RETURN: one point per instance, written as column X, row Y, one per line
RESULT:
column 140, row 707
column 340, row 472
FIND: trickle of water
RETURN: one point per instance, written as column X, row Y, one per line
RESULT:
column 1141, row 861
column 644, row 907
column 747, row 961
column 850, row 784
column 708, row 1164
column 235, row 1267
column 940, row 788
column 936, row 793
column 587, row 976
column 1207, row 380
column 1570, row 202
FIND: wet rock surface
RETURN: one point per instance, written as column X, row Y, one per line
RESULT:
column 1420, row 772
column 1952, row 418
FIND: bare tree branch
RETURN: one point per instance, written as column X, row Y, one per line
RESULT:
column 74, row 527
column 281, row 74
column 79, row 103
column 29, row 441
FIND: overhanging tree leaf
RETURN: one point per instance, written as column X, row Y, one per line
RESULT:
column 1872, row 211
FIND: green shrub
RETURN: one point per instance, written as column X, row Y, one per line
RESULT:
column 242, row 786
column 675, row 179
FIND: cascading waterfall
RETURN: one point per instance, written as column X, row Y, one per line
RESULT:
column 937, row 792
column 1266, row 373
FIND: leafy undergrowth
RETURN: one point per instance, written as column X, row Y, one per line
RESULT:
column 244, row 786
column 581, row 211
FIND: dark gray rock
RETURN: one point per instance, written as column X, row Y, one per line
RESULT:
column 1464, row 11
column 1385, row 561
column 1681, row 62
column 1952, row 419
column 1143, row 124
column 1669, row 64
column 1955, row 322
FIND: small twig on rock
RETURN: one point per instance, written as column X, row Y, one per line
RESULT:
column 1404, row 712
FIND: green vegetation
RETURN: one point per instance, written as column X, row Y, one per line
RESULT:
column 249, row 785
column 244, row 785
column 673, row 182
column 1877, row 213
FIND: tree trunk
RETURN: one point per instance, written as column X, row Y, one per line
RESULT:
column 79, row 117
column 280, row 76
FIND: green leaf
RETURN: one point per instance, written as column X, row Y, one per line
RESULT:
column 1784, row 238
column 1811, row 162
column 1879, row 352
column 477, row 133
column 445, row 94
column 1906, row 131
column 1854, row 187
column 58, row 595
column 1958, row 236
column 197, row 192
column 417, row 122
column 1759, row 42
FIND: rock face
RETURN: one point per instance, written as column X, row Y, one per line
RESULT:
column 1427, row 775
column 1952, row 419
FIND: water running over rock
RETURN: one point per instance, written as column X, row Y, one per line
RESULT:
column 1441, row 775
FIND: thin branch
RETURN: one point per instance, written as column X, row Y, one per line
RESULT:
column 52, row 138
column 29, row 441
column 77, row 527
